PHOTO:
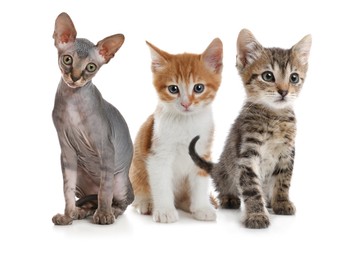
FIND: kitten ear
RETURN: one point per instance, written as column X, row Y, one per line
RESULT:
column 302, row 48
column 64, row 30
column 248, row 48
column 109, row 46
column 159, row 58
column 212, row 56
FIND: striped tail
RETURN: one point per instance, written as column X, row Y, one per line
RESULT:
column 199, row 161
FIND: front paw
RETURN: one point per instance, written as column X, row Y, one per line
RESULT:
column 60, row 219
column 103, row 218
column 257, row 221
column 205, row 214
column 284, row 208
column 165, row 215
column 145, row 208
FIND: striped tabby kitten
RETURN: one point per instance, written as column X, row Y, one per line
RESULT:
column 162, row 173
column 258, row 157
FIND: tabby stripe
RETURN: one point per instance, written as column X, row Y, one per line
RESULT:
column 282, row 170
column 250, row 192
column 249, row 153
column 253, row 140
column 247, row 177
column 252, row 78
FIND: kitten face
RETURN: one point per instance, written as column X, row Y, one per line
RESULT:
column 272, row 76
column 186, row 83
column 79, row 59
column 79, row 63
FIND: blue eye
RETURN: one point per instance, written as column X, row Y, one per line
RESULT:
column 174, row 89
column 268, row 76
column 198, row 88
column 294, row 78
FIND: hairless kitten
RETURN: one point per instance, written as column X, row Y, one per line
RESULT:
column 96, row 147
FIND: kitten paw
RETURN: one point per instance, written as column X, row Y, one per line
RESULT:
column 145, row 208
column 165, row 215
column 284, row 208
column 229, row 202
column 117, row 211
column 82, row 213
column 205, row 214
column 60, row 219
column 257, row 221
column 103, row 218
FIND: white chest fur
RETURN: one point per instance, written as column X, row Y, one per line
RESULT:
column 172, row 136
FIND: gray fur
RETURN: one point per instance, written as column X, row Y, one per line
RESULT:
column 257, row 161
column 96, row 147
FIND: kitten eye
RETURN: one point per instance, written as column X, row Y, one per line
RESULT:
column 67, row 59
column 294, row 78
column 268, row 76
column 198, row 88
column 91, row 67
column 174, row 89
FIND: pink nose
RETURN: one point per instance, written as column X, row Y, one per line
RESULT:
column 185, row 104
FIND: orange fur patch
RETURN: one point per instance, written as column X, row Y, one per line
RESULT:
column 183, row 68
column 138, row 172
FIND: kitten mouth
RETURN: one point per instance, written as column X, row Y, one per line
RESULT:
column 281, row 100
column 185, row 111
column 73, row 85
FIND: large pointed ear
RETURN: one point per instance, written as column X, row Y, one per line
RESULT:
column 302, row 49
column 248, row 48
column 159, row 58
column 64, row 30
column 212, row 56
column 109, row 46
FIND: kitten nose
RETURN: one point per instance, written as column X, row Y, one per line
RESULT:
column 282, row 92
column 186, row 104
column 74, row 78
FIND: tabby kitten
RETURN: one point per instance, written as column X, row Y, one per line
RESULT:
column 96, row 148
column 162, row 173
column 257, row 161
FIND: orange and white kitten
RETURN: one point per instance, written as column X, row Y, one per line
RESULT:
column 162, row 173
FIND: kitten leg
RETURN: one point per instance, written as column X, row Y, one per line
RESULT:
column 201, row 207
column 281, row 204
column 104, row 214
column 227, row 192
column 143, row 204
column 229, row 201
column 123, row 193
column 160, row 178
column 69, row 168
column 256, row 212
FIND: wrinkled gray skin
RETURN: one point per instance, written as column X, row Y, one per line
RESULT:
column 96, row 147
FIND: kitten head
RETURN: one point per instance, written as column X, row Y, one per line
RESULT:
column 272, row 76
column 187, row 83
column 79, row 59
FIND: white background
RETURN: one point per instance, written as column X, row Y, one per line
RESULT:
column 31, row 182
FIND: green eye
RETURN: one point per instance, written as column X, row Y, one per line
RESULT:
column 67, row 60
column 91, row 67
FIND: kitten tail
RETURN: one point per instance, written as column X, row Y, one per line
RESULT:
column 199, row 161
